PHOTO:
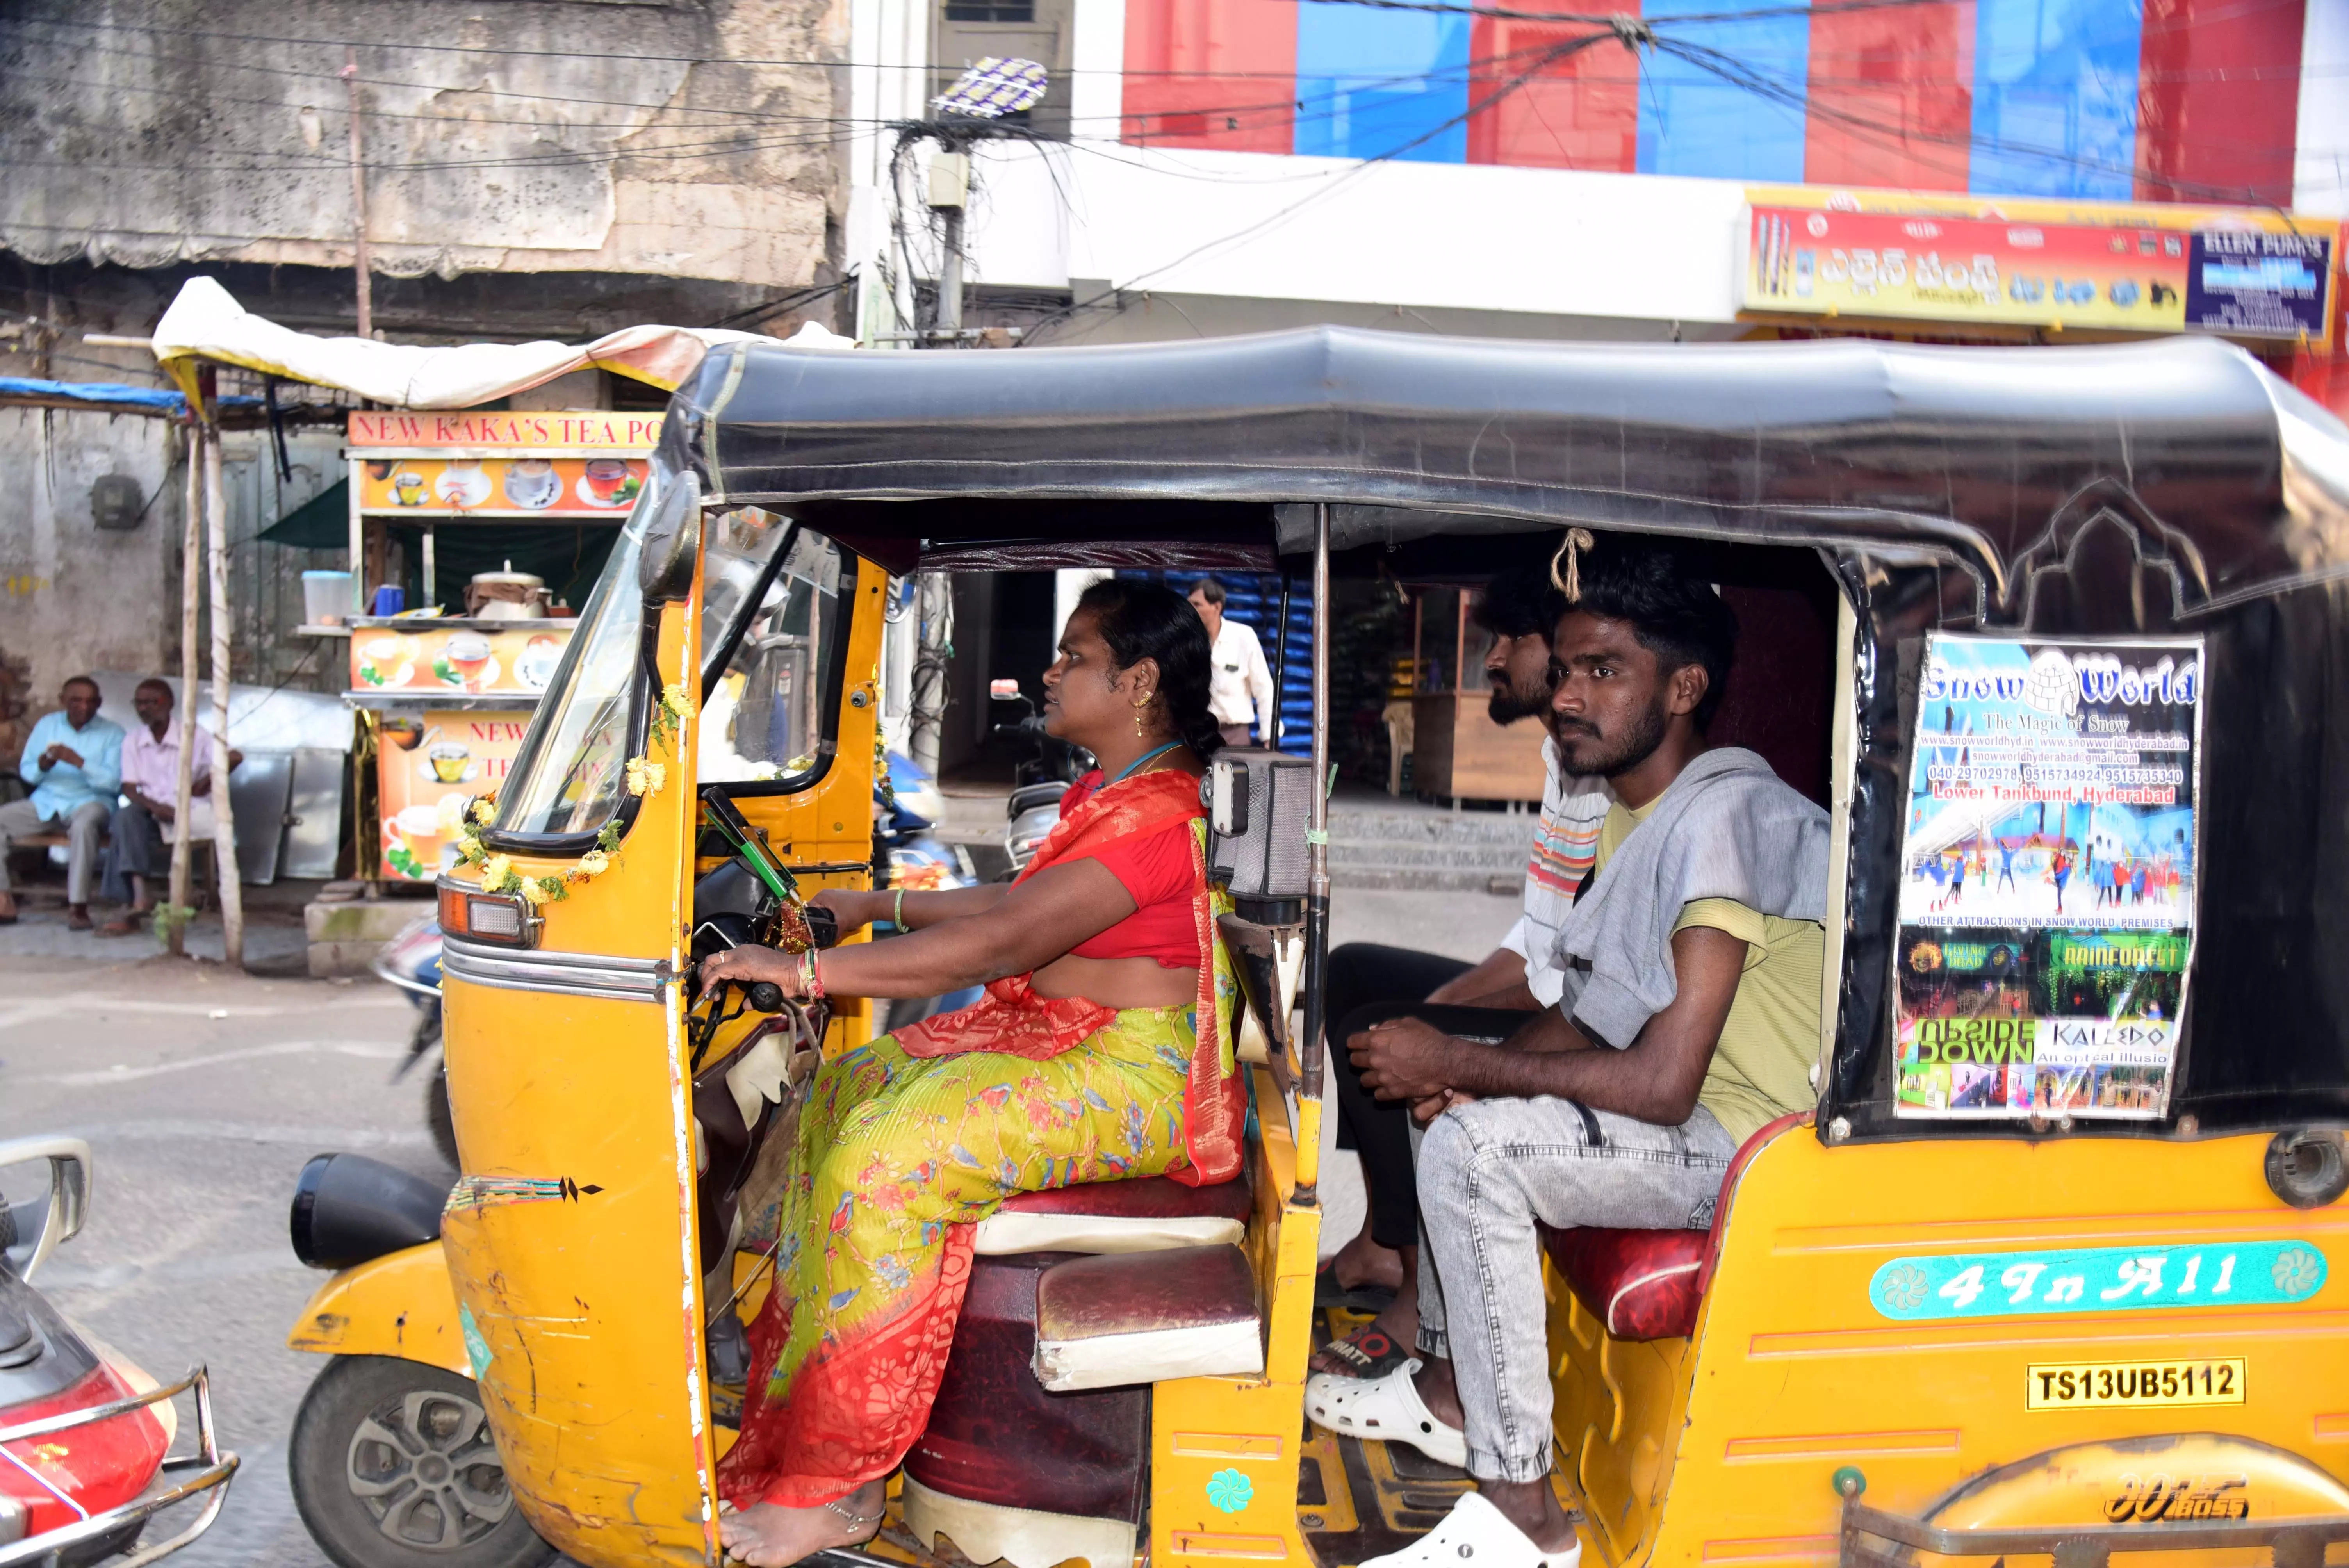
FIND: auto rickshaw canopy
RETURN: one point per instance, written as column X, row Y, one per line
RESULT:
column 2171, row 487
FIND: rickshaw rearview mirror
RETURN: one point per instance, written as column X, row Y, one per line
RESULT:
column 669, row 513
column 1257, row 804
column 1004, row 690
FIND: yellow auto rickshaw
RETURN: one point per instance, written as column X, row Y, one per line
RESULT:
column 2048, row 1273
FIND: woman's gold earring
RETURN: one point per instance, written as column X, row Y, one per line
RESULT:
column 1138, row 709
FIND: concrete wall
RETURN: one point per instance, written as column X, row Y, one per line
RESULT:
column 74, row 597
column 532, row 136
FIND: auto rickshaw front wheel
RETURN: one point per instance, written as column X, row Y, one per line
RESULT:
column 393, row 1466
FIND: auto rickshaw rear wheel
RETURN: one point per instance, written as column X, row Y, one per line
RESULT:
column 393, row 1466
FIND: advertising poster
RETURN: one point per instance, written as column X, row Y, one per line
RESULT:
column 425, row 657
column 518, row 487
column 1953, row 259
column 2047, row 887
column 426, row 766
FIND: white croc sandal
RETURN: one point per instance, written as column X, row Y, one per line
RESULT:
column 1384, row 1410
column 1475, row 1534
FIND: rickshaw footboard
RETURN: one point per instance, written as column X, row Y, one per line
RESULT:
column 2296, row 1543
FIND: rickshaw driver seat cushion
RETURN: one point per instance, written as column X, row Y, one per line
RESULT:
column 1647, row 1284
column 1141, row 1214
column 1107, row 1322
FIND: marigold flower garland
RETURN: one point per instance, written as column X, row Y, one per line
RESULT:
column 644, row 777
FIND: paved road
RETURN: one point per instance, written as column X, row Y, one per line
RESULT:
column 202, row 1094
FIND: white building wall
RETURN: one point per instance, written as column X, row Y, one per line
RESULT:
column 2321, row 169
column 1425, row 235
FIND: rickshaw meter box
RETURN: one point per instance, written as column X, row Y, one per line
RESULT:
column 1257, row 803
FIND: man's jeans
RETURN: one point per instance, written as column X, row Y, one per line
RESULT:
column 1487, row 1171
column 83, row 826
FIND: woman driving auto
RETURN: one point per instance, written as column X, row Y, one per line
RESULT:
column 1094, row 1055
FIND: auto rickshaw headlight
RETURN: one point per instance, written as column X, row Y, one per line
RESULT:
column 505, row 919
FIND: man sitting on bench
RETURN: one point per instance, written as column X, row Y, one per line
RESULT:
column 73, row 763
column 135, row 850
column 1691, row 1019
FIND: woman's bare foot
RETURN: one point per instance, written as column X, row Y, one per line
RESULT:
column 769, row 1535
column 1397, row 1323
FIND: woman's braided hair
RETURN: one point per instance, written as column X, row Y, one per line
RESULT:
column 1150, row 621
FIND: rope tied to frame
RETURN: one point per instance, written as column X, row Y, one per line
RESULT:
column 1569, row 550
column 1631, row 32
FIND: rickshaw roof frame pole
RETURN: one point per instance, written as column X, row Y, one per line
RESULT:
column 1317, row 867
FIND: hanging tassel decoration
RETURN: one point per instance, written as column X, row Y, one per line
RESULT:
column 1569, row 550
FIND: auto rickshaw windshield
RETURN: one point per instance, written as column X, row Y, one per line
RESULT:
column 568, row 779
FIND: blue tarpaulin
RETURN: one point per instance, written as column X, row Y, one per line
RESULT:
column 114, row 393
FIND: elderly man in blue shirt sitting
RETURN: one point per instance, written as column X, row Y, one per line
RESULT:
column 73, row 763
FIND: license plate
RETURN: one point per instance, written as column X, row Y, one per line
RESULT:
column 2105, row 1384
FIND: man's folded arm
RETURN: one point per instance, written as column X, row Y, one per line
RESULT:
column 1655, row 1080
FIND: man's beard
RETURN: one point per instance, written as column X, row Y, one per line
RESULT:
column 1600, row 756
column 1510, row 705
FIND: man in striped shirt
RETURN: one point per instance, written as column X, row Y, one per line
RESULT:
column 1367, row 983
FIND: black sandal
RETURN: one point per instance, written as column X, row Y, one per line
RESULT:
column 1369, row 1353
column 1328, row 1291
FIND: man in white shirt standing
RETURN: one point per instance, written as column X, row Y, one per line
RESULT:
column 1239, row 684
column 150, row 790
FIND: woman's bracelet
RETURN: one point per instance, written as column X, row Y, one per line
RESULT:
column 811, row 977
column 897, row 910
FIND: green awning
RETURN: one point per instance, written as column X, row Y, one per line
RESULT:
column 322, row 522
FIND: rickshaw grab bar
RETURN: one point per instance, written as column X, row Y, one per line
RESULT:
column 2297, row 1543
column 206, row 1471
column 562, row 974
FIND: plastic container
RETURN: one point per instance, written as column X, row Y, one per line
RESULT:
column 325, row 598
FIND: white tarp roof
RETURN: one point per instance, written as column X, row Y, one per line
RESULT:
column 205, row 323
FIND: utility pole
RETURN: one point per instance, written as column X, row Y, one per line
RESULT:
column 224, row 866
column 950, row 193
column 359, row 199
column 192, row 592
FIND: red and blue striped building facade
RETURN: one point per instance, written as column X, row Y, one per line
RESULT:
column 2187, row 101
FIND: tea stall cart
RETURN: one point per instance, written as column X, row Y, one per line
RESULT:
column 446, row 696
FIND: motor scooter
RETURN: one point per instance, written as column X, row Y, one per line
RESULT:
column 85, row 1435
column 1040, row 780
column 411, row 961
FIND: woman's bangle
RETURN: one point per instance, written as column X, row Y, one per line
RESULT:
column 811, row 977
column 897, row 910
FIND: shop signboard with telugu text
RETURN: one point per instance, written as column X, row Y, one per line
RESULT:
column 2048, row 879
column 428, row 766
column 1954, row 261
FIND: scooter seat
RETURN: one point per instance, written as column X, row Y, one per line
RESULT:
column 1142, row 1215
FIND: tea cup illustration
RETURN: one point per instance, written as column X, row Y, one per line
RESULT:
column 533, row 483
column 407, row 488
column 467, row 654
column 604, row 477
column 462, row 484
column 419, row 828
column 450, row 760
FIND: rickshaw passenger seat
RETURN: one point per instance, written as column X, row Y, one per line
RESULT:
column 1647, row 1284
